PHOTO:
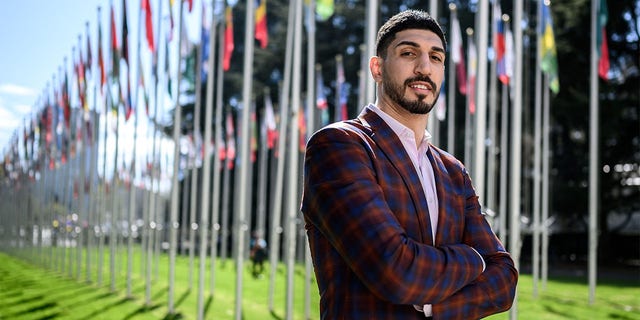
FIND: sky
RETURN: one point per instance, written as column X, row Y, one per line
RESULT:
column 36, row 38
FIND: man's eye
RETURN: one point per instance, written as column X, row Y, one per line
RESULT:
column 407, row 54
column 436, row 58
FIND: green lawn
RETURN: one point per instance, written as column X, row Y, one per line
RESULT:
column 29, row 291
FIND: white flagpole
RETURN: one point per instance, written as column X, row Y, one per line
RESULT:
column 593, row 156
column 451, row 95
column 537, row 162
column 493, row 111
column 546, row 143
column 276, row 222
column 175, row 184
column 370, row 41
column 516, row 148
column 206, row 166
column 242, row 179
column 311, row 121
column 433, row 125
column 218, row 169
column 292, row 183
column 479, row 171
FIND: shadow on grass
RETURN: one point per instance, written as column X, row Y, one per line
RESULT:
column 37, row 308
column 173, row 316
column 182, row 297
column 142, row 310
column 109, row 306
column 275, row 316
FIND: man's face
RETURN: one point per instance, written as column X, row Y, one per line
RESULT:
column 413, row 70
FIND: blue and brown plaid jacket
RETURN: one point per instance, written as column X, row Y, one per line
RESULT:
column 367, row 221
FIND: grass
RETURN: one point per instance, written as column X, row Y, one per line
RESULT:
column 30, row 291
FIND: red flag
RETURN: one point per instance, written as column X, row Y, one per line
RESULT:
column 103, row 76
column 473, row 62
column 146, row 6
column 262, row 34
column 457, row 53
column 270, row 122
column 302, row 125
column 603, row 61
column 228, row 40
column 115, row 63
column 231, row 142
column 254, row 136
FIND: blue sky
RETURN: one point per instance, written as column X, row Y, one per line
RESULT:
column 36, row 38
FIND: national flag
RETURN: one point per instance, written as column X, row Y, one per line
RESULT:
column 270, row 121
column 262, row 34
column 171, row 23
column 499, row 45
column 508, row 52
column 190, row 2
column 115, row 56
column 125, row 33
column 321, row 98
column 103, row 75
column 228, row 40
column 148, row 23
column 325, row 9
column 89, row 53
column 65, row 103
column 473, row 63
column 441, row 104
column 254, row 135
column 457, row 53
column 231, row 141
column 204, row 43
column 603, row 47
column 167, row 64
column 302, row 126
column 547, row 52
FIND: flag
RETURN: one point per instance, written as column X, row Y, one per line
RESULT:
column 457, row 55
column 325, row 9
column 441, row 104
column 228, row 40
column 262, row 34
column 603, row 47
column 302, row 126
column 65, row 103
column 204, row 43
column 270, row 121
column 547, row 51
column 190, row 2
column 254, row 135
column 321, row 98
column 89, row 53
column 231, row 142
column 115, row 60
column 148, row 23
column 103, row 75
column 166, row 64
column 128, row 107
column 508, row 52
column 499, row 45
column 473, row 63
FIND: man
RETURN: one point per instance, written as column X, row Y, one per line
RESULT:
column 394, row 224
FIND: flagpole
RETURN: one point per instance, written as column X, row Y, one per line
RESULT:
column 481, row 102
column 311, row 121
column 370, row 41
column 242, row 179
column 493, row 115
column 292, row 183
column 173, row 221
column 593, row 155
column 451, row 95
column 537, row 160
column 150, row 223
column 276, row 222
column 468, row 119
column 546, row 143
column 206, row 168
column 81, row 155
column 218, row 169
column 516, row 149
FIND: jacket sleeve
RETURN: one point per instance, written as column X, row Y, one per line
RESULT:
column 494, row 290
column 344, row 201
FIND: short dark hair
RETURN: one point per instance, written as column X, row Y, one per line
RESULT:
column 409, row 19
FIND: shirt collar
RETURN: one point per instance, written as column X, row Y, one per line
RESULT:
column 400, row 129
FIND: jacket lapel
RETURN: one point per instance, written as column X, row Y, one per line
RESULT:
column 390, row 144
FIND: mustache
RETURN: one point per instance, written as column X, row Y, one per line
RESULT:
column 422, row 79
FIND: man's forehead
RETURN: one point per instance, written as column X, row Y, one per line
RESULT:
column 417, row 36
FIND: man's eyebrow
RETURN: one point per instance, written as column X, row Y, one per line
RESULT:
column 416, row 45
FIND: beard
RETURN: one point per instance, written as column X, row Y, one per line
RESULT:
column 396, row 94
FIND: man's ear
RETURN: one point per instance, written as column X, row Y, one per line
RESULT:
column 375, row 66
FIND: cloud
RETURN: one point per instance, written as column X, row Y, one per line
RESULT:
column 13, row 89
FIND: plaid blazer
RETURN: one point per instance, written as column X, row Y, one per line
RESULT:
column 367, row 221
